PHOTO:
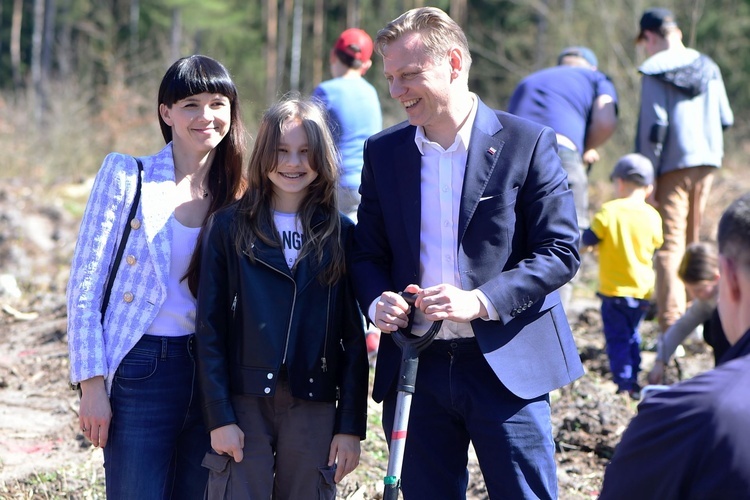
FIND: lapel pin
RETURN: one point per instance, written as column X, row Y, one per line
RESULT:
column 492, row 151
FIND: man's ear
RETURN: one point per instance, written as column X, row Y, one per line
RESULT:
column 731, row 279
column 456, row 60
column 365, row 66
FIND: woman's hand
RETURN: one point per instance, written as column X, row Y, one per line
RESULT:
column 95, row 412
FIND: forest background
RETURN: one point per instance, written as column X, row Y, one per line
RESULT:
column 79, row 78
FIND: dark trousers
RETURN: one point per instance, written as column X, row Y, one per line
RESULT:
column 457, row 400
column 156, row 439
column 287, row 441
column 621, row 317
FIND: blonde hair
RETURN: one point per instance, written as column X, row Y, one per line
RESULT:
column 255, row 208
column 438, row 33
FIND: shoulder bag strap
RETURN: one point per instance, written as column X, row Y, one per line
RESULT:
column 123, row 241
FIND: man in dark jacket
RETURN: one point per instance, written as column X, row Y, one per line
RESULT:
column 692, row 441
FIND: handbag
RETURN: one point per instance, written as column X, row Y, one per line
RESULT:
column 118, row 255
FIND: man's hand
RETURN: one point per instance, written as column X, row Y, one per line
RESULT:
column 345, row 453
column 95, row 412
column 228, row 440
column 656, row 375
column 391, row 312
column 590, row 156
column 443, row 301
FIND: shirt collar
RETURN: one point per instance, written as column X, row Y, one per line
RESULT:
column 462, row 137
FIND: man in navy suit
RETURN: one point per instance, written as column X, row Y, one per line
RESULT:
column 469, row 208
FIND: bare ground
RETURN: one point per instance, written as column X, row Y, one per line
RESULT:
column 43, row 454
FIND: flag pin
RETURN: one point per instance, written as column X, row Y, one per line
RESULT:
column 492, row 151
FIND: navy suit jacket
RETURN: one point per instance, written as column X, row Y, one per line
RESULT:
column 517, row 243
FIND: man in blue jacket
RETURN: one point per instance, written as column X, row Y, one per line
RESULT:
column 692, row 440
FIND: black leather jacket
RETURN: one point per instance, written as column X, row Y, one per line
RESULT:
column 254, row 317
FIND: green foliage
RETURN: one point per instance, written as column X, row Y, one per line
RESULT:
column 97, row 60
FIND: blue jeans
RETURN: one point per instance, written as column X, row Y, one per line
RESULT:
column 156, row 438
column 621, row 317
column 457, row 400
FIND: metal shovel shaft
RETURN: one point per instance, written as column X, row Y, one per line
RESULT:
column 410, row 348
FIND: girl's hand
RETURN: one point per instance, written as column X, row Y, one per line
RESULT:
column 95, row 412
column 345, row 453
column 228, row 440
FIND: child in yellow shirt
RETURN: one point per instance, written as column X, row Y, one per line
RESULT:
column 627, row 231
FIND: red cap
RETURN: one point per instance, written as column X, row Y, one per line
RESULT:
column 356, row 43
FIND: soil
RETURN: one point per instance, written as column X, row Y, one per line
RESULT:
column 44, row 455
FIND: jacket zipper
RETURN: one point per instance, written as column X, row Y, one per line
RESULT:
column 323, row 363
column 294, row 302
column 234, row 306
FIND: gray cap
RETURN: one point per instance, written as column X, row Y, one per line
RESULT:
column 635, row 168
column 584, row 53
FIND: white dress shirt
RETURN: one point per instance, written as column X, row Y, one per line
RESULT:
column 442, row 179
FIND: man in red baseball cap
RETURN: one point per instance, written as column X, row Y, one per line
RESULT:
column 354, row 48
column 354, row 114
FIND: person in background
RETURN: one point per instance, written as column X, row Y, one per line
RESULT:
column 691, row 441
column 354, row 114
column 579, row 103
column 699, row 270
column 353, row 109
column 466, row 207
column 683, row 112
column 282, row 365
column 136, row 365
column 627, row 232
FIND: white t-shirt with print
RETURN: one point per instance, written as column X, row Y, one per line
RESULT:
column 290, row 232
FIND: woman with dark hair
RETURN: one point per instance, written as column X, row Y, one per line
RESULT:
column 699, row 271
column 133, row 355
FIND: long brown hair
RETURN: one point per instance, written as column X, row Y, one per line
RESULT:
column 193, row 75
column 255, row 210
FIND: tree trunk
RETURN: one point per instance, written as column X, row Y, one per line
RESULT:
column 36, row 60
column 352, row 13
column 135, row 16
column 272, row 36
column 48, row 41
column 459, row 13
column 176, row 34
column 286, row 14
column 320, row 53
column 15, row 43
column 296, row 59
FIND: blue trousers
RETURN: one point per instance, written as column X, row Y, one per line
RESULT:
column 156, row 438
column 621, row 317
column 457, row 400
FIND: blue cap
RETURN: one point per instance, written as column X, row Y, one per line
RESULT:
column 583, row 52
column 635, row 168
column 656, row 20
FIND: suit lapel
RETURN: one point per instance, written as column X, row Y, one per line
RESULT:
column 407, row 173
column 483, row 155
column 158, row 186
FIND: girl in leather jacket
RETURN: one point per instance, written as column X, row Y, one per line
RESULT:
column 282, row 362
